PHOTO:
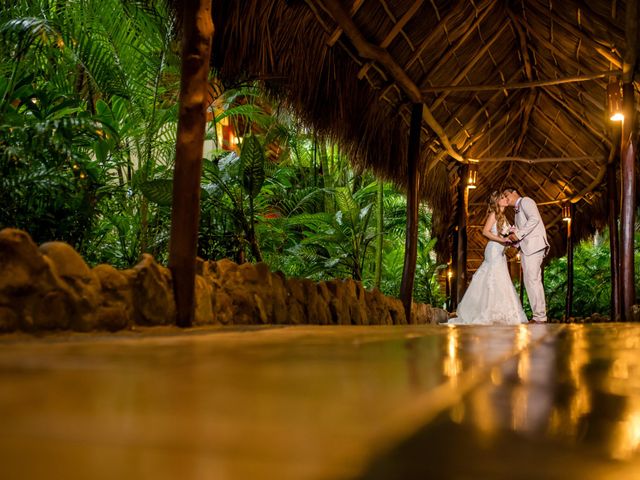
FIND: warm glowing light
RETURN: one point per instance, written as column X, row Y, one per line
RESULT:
column 626, row 439
column 472, row 179
column 524, row 335
column 452, row 364
column 614, row 100
column 566, row 212
column 449, row 273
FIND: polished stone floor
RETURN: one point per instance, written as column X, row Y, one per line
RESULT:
column 528, row 402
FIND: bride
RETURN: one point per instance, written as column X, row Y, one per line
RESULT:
column 491, row 298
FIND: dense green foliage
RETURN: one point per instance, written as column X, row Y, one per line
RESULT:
column 88, row 115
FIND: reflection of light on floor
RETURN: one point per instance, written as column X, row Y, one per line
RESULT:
column 519, row 408
column 620, row 369
column 452, row 364
column 627, row 439
column 484, row 411
column 524, row 366
column 564, row 421
column 524, row 335
column 496, row 376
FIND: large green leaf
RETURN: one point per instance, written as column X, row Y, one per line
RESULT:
column 252, row 166
column 159, row 191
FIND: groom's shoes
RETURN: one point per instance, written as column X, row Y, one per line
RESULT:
column 536, row 321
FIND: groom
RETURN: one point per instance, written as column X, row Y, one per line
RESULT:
column 531, row 234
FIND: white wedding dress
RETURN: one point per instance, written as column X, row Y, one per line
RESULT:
column 491, row 298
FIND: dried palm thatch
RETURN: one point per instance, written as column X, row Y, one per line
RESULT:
column 352, row 68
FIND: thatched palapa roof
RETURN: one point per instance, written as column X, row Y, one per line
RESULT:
column 352, row 68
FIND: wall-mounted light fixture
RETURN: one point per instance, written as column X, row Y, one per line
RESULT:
column 472, row 178
column 566, row 212
column 614, row 100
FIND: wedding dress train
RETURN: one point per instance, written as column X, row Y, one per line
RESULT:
column 491, row 298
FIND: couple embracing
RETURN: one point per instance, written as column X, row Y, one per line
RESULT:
column 491, row 298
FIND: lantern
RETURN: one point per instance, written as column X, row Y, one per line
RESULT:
column 472, row 178
column 614, row 100
column 566, row 212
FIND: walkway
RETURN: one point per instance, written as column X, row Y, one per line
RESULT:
column 529, row 402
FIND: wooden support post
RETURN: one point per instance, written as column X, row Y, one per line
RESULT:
column 614, row 244
column 454, row 267
column 569, row 302
column 413, row 189
column 627, row 213
column 196, row 52
column 463, row 214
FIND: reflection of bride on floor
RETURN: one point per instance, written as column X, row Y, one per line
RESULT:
column 491, row 298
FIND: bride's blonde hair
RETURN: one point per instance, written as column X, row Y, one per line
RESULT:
column 501, row 220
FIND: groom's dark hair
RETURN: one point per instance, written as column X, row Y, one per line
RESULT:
column 510, row 190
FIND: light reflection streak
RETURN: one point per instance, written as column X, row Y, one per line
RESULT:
column 452, row 364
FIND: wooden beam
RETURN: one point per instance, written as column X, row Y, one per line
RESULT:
column 450, row 52
column 463, row 215
column 333, row 38
column 470, row 64
column 435, row 31
column 628, row 155
column 397, row 28
column 555, row 144
column 373, row 52
column 518, row 86
column 578, row 117
column 603, row 50
column 554, row 125
column 530, row 161
column 413, row 196
column 196, row 52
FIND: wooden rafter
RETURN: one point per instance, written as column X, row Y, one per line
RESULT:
column 397, row 28
column 375, row 53
column 435, row 31
column 533, row 161
column 469, row 65
column 333, row 38
column 590, row 43
column 521, row 85
column 579, row 118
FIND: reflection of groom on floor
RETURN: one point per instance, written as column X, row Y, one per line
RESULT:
column 532, row 238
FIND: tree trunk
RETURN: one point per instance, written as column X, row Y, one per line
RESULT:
column 413, row 187
column 196, row 51
column 614, row 245
column 463, row 213
column 627, row 161
column 379, row 232
column 627, row 214
column 569, row 301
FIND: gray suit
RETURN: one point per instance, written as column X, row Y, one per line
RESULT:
column 534, row 246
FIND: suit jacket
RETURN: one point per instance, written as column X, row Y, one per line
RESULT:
column 530, row 229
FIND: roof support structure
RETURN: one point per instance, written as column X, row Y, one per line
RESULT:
column 628, row 154
column 192, row 117
column 518, row 86
column 373, row 52
column 413, row 199
column 614, row 244
column 463, row 220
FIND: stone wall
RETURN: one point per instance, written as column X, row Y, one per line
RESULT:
column 51, row 287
